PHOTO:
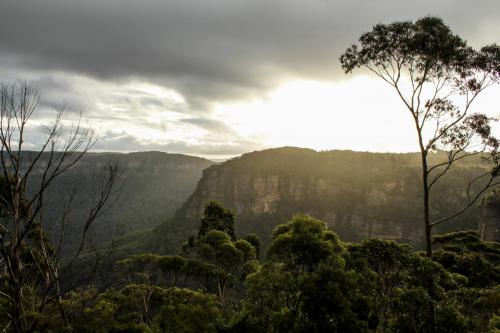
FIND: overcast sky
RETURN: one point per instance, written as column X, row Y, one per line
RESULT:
column 218, row 78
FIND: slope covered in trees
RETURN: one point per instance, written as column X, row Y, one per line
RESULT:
column 309, row 280
column 151, row 187
column 357, row 194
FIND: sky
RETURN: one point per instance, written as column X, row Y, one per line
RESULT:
column 218, row 78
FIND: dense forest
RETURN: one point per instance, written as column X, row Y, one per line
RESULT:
column 151, row 187
column 309, row 280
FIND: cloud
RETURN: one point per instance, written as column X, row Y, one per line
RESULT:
column 189, row 55
column 219, row 49
column 134, row 116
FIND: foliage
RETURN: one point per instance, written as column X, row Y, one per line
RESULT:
column 437, row 76
column 216, row 244
column 189, row 311
column 310, row 282
column 216, row 217
column 465, row 253
column 302, row 243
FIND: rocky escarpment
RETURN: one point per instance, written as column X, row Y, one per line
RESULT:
column 358, row 195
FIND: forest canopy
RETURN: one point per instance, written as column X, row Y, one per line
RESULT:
column 309, row 280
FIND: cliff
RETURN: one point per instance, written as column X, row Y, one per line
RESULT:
column 358, row 195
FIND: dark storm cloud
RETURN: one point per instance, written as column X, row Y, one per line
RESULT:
column 208, row 50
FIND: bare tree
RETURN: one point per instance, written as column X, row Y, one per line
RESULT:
column 30, row 248
column 437, row 77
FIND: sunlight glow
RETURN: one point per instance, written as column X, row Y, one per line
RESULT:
column 361, row 113
column 321, row 115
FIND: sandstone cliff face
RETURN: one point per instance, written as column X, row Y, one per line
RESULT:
column 253, row 194
column 358, row 195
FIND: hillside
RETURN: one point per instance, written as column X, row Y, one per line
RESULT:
column 359, row 195
column 153, row 185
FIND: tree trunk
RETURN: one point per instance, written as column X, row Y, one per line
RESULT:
column 425, row 189
column 428, row 233
column 17, row 303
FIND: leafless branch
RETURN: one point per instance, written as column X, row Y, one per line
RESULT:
column 22, row 230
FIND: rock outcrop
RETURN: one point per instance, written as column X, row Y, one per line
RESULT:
column 358, row 195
